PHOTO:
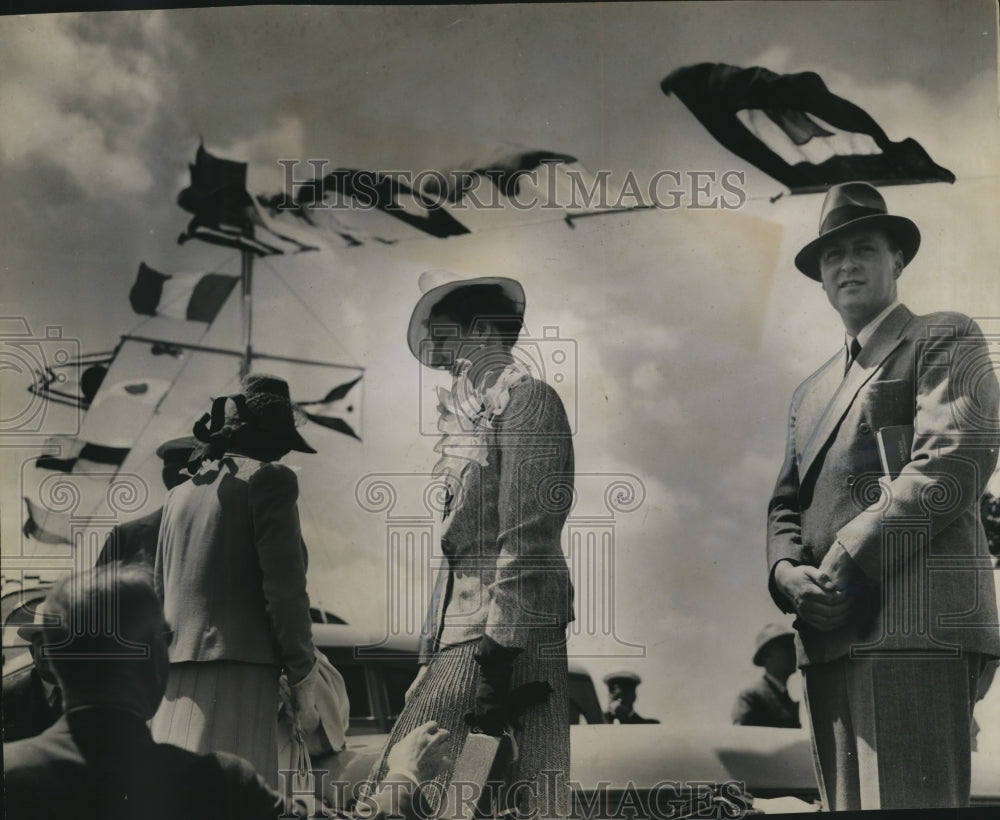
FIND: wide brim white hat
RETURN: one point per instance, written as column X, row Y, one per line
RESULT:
column 436, row 284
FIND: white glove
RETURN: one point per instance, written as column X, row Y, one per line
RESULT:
column 304, row 701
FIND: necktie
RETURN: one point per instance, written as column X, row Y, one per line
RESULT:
column 853, row 354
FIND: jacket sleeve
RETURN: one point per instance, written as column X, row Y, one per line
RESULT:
column 955, row 440
column 273, row 491
column 784, row 515
column 428, row 630
column 744, row 708
column 535, row 495
column 236, row 790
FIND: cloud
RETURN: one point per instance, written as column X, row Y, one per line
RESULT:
column 282, row 138
column 96, row 132
column 777, row 58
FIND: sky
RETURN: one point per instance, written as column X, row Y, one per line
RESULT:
column 688, row 329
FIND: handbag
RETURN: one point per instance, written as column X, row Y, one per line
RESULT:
column 304, row 783
column 334, row 710
column 334, row 714
column 301, row 762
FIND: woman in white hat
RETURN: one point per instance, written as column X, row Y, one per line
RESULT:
column 231, row 571
column 493, row 653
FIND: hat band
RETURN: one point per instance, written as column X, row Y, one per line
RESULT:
column 844, row 214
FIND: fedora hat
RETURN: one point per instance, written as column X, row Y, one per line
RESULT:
column 44, row 619
column 771, row 632
column 853, row 205
column 436, row 284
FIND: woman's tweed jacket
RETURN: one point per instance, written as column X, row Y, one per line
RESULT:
column 507, row 573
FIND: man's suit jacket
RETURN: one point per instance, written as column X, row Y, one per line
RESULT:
column 932, row 372
column 231, row 567
column 99, row 763
column 26, row 709
column 133, row 541
column 764, row 704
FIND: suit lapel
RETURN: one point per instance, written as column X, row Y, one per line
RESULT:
column 886, row 339
column 815, row 401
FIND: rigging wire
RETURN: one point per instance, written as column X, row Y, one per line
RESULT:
column 305, row 305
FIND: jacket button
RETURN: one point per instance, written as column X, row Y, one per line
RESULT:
column 850, row 481
column 864, row 429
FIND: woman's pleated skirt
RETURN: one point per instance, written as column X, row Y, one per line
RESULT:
column 222, row 706
column 447, row 693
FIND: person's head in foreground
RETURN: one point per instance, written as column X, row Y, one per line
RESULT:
column 108, row 649
column 110, row 645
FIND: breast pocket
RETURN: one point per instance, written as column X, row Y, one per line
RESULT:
column 888, row 402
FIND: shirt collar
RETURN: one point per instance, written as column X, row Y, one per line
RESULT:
column 95, row 708
column 865, row 334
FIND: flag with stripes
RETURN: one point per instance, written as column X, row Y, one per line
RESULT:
column 793, row 128
column 195, row 297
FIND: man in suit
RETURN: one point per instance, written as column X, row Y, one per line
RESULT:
column 621, row 707
column 767, row 703
column 99, row 761
column 135, row 540
column 32, row 699
column 889, row 575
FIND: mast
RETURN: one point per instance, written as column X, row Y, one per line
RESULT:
column 246, row 287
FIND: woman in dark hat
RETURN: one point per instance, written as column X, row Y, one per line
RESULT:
column 231, row 570
column 493, row 652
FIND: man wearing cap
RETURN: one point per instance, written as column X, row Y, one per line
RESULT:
column 767, row 702
column 621, row 689
column 889, row 575
column 136, row 540
column 32, row 699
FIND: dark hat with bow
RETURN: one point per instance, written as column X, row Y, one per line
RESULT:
column 263, row 406
column 852, row 205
